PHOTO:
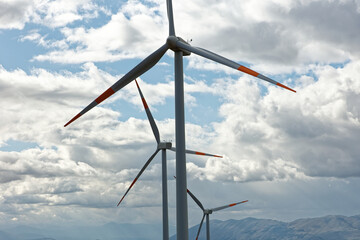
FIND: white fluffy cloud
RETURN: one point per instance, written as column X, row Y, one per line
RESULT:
column 136, row 30
column 14, row 14
column 281, row 134
column 76, row 165
column 265, row 135
column 270, row 34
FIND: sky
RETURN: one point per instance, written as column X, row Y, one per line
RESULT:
column 292, row 155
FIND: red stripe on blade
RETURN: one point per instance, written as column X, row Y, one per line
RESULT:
column 132, row 184
column 120, row 201
column 73, row 119
column 248, row 71
column 279, row 84
column 199, row 153
column 105, row 95
column 144, row 103
column 233, row 204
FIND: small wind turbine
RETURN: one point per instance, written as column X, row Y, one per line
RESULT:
column 207, row 212
column 163, row 146
column 181, row 48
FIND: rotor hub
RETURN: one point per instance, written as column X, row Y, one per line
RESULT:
column 171, row 42
column 208, row 211
column 164, row 145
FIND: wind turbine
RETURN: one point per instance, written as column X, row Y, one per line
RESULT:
column 163, row 146
column 207, row 212
column 181, row 48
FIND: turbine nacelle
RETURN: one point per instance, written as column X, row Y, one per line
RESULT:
column 164, row 145
column 208, row 211
column 172, row 43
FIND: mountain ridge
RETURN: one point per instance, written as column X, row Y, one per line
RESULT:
column 329, row 227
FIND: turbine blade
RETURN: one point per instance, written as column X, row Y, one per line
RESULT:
column 220, row 59
column 138, row 70
column 202, row 220
column 170, row 17
column 194, row 198
column 139, row 174
column 197, row 153
column 227, row 206
column 149, row 115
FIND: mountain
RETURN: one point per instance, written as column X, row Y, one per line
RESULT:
column 109, row 231
column 323, row 228
column 5, row 236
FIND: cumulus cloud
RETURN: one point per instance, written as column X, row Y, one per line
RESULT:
column 123, row 37
column 76, row 165
column 16, row 13
column 229, row 170
column 270, row 34
column 280, row 135
column 265, row 135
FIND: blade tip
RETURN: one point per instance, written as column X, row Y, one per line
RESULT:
column 120, row 201
column 73, row 119
column 283, row 86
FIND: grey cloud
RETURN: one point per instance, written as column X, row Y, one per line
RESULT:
column 315, row 130
column 334, row 22
column 275, row 33
column 13, row 14
column 8, row 176
column 254, row 41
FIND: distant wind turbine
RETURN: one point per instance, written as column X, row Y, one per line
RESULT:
column 163, row 146
column 181, row 48
column 207, row 212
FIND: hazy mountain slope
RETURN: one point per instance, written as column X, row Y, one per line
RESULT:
column 323, row 228
column 329, row 227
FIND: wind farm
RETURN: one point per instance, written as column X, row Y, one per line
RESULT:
column 181, row 48
column 163, row 146
column 292, row 155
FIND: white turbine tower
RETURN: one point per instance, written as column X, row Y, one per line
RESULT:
column 163, row 146
column 181, row 48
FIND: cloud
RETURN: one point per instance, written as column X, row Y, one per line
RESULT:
column 273, row 36
column 92, row 162
column 14, row 14
column 123, row 37
column 264, row 136
column 229, row 170
column 266, row 133
column 280, row 134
